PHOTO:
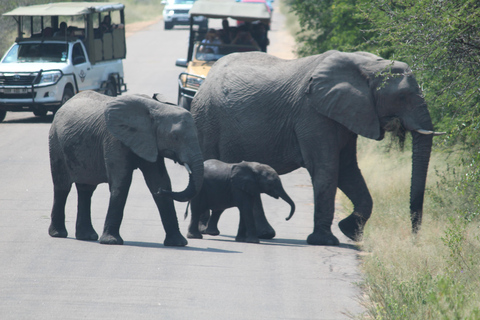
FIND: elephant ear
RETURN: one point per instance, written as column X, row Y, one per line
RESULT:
column 340, row 90
column 128, row 119
column 244, row 178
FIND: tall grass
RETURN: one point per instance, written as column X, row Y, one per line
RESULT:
column 435, row 274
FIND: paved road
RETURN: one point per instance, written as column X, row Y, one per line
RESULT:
column 214, row 278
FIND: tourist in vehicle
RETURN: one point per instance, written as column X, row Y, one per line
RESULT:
column 107, row 26
column 211, row 42
column 244, row 37
column 259, row 33
column 62, row 30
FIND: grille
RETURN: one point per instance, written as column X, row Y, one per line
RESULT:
column 18, row 95
column 17, row 79
column 185, row 11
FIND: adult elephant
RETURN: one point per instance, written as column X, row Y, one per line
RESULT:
column 95, row 138
column 308, row 113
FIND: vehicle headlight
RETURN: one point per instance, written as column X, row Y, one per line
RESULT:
column 194, row 82
column 170, row 12
column 50, row 77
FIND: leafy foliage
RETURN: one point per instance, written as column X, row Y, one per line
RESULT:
column 440, row 40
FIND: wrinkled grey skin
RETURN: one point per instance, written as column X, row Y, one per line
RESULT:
column 95, row 138
column 307, row 113
column 227, row 185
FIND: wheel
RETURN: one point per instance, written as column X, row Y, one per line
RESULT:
column 40, row 112
column 168, row 25
column 67, row 94
column 3, row 114
column 110, row 90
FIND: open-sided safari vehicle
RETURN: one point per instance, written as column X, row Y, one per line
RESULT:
column 61, row 49
column 248, row 33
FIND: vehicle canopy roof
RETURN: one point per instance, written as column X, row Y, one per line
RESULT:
column 65, row 9
column 231, row 9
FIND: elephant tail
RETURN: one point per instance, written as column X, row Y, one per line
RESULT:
column 186, row 211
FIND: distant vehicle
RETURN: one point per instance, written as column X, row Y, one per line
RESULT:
column 204, row 48
column 175, row 13
column 62, row 49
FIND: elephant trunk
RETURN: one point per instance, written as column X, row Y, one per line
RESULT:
column 288, row 200
column 195, row 181
column 421, row 149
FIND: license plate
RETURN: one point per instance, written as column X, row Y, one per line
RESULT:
column 15, row 90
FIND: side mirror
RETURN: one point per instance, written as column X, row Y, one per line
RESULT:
column 181, row 63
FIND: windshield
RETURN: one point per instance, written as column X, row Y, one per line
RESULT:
column 37, row 52
column 183, row 1
column 213, row 52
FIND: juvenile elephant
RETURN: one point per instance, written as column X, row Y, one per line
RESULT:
column 307, row 113
column 95, row 138
column 238, row 185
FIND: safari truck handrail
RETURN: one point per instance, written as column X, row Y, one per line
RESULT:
column 95, row 47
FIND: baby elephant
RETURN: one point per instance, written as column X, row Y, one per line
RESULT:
column 228, row 185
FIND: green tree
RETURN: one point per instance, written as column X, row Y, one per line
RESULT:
column 328, row 24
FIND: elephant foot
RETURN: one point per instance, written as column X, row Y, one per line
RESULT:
column 211, row 231
column 175, row 240
column 249, row 239
column 88, row 234
column 107, row 238
column 266, row 233
column 352, row 226
column 322, row 239
column 194, row 235
column 57, row 232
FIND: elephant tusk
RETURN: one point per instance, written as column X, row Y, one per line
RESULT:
column 427, row 132
column 188, row 168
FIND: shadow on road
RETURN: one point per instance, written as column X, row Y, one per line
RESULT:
column 187, row 248
column 45, row 119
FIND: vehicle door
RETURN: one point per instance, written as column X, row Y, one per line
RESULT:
column 82, row 68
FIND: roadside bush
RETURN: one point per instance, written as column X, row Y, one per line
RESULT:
column 432, row 275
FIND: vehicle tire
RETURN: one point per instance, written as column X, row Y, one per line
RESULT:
column 168, row 25
column 110, row 90
column 40, row 112
column 67, row 94
column 3, row 114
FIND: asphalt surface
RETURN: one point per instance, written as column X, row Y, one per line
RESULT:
column 214, row 278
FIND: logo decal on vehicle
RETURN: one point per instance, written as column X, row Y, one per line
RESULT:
column 82, row 75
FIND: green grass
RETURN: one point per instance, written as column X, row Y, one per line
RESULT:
column 434, row 275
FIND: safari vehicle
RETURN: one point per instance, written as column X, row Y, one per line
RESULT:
column 204, row 50
column 61, row 49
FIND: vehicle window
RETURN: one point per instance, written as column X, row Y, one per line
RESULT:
column 212, row 52
column 37, row 52
column 78, row 56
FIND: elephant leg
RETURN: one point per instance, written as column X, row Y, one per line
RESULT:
column 247, row 232
column 156, row 177
column 118, row 197
column 203, row 221
column 198, row 211
column 212, row 225
column 264, row 229
column 324, row 179
column 84, row 229
column 57, row 227
column 351, row 182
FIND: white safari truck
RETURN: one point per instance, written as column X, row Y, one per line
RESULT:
column 62, row 49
